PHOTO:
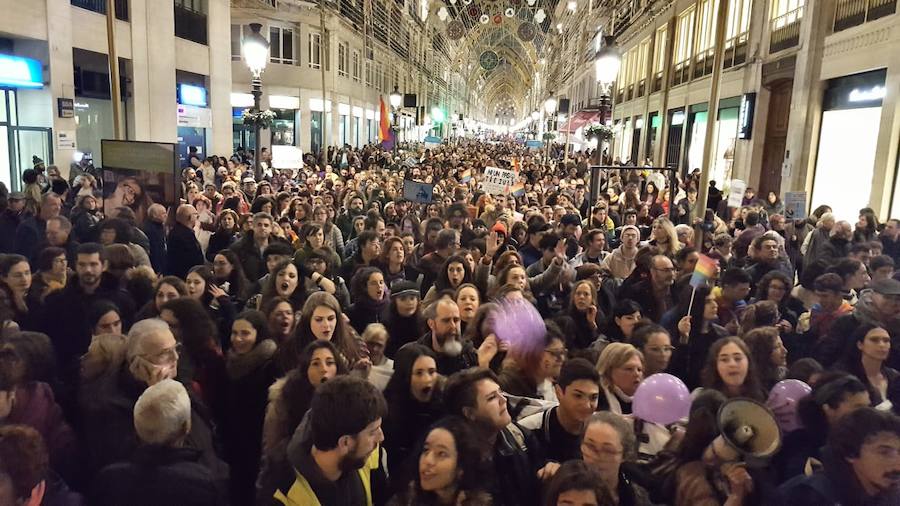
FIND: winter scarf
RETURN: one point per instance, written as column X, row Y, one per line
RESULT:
column 240, row 365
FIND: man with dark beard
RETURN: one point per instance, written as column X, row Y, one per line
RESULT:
column 861, row 464
column 339, row 462
column 444, row 338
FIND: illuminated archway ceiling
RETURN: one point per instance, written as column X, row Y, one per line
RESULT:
column 497, row 45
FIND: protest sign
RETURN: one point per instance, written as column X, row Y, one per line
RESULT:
column 497, row 181
column 421, row 193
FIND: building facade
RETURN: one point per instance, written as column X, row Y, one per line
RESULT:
column 175, row 80
column 368, row 48
column 807, row 96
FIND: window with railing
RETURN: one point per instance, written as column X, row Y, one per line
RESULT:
column 314, row 49
column 684, row 37
column 99, row 6
column 850, row 13
column 191, row 20
column 343, row 58
column 784, row 24
column 368, row 73
column 355, row 66
column 281, row 45
column 704, row 51
column 641, row 77
column 659, row 58
column 737, row 28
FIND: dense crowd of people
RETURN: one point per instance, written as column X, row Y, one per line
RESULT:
column 319, row 336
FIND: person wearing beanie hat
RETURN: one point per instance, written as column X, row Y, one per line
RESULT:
column 622, row 259
column 402, row 316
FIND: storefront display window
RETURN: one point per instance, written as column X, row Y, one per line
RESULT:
column 315, row 131
column 283, row 127
column 848, row 137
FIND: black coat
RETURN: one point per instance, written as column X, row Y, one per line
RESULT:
column 245, row 401
column 159, row 475
column 251, row 257
column 30, row 237
column 517, row 457
column 63, row 317
column 9, row 222
column 156, row 236
column 217, row 242
column 107, row 410
column 183, row 251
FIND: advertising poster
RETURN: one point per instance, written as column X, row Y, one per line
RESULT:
column 138, row 174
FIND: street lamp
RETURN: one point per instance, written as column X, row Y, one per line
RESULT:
column 535, row 116
column 396, row 99
column 606, row 65
column 550, row 109
column 255, row 50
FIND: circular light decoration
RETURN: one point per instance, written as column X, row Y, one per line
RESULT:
column 484, row 19
column 489, row 60
column 526, row 32
column 467, row 2
column 453, row 2
column 540, row 16
column 531, row 2
column 442, row 13
column 455, row 30
column 515, row 3
column 498, row 19
column 473, row 11
column 510, row 12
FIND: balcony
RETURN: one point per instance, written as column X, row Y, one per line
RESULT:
column 785, row 30
column 191, row 25
column 850, row 13
column 681, row 73
column 703, row 63
column 735, row 51
column 99, row 6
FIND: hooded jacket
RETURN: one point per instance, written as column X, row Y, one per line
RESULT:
column 831, row 346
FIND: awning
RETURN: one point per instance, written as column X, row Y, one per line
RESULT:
column 580, row 119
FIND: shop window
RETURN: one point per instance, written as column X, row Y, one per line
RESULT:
column 283, row 127
column 281, row 45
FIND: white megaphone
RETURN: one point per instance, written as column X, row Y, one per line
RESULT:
column 748, row 431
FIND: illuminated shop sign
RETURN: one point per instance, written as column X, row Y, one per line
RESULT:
column 189, row 94
column 745, row 115
column 18, row 72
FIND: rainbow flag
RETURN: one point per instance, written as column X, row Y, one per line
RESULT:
column 705, row 270
column 385, row 134
column 465, row 176
column 517, row 190
column 516, row 165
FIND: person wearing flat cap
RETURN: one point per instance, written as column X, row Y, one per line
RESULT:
column 10, row 218
column 878, row 305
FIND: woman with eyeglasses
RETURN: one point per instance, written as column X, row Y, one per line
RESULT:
column 609, row 442
column 529, row 369
column 655, row 343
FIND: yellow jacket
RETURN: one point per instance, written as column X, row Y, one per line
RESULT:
column 301, row 493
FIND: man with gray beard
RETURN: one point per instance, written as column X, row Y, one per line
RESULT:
column 444, row 338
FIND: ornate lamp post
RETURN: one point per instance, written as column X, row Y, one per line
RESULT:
column 607, row 65
column 550, row 109
column 396, row 99
column 255, row 51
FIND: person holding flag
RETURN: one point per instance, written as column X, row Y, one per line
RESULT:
column 385, row 133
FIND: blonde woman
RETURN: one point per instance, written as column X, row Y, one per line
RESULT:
column 664, row 238
column 621, row 368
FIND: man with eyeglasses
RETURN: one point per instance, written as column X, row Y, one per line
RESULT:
column 559, row 429
column 107, row 406
column 861, row 464
column 654, row 294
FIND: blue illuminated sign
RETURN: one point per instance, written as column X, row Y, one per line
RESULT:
column 189, row 94
column 18, row 72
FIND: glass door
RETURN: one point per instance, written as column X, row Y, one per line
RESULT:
column 26, row 142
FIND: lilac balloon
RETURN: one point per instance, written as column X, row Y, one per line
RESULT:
column 783, row 402
column 662, row 398
column 518, row 323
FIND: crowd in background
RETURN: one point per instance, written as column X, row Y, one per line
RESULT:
column 320, row 336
